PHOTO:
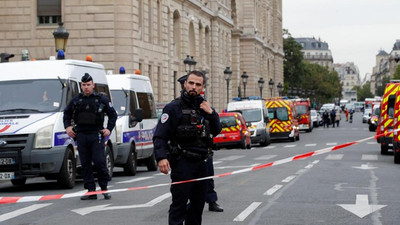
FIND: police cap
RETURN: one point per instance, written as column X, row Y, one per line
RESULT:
column 182, row 79
column 86, row 78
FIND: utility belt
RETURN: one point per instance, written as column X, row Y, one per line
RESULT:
column 193, row 155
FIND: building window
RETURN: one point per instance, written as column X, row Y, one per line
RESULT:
column 48, row 12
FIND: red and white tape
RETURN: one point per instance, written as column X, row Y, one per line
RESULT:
column 8, row 200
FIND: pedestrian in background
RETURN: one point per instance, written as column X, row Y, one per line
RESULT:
column 333, row 116
column 182, row 143
column 325, row 117
column 346, row 111
column 87, row 112
column 338, row 117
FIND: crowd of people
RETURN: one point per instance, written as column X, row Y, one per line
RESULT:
column 333, row 116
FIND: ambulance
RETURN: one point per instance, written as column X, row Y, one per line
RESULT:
column 283, row 123
column 255, row 113
column 303, row 114
column 386, row 120
column 33, row 141
column 133, row 99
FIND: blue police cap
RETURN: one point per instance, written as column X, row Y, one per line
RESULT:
column 86, row 78
column 182, row 79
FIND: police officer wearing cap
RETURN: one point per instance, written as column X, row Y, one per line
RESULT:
column 211, row 194
column 182, row 143
column 87, row 113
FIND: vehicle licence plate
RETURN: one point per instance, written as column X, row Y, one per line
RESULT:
column 7, row 176
column 220, row 135
column 7, row 161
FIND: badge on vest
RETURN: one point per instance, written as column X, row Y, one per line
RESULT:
column 164, row 117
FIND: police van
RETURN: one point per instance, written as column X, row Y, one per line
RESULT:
column 137, row 119
column 255, row 113
column 33, row 141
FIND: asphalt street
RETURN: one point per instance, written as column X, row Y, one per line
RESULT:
column 351, row 185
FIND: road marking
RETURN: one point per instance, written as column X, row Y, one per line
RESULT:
column 232, row 157
column 369, row 157
column 310, row 145
column 288, row 179
column 19, row 212
column 134, row 180
column 87, row 210
column 265, row 157
column 334, row 157
column 242, row 216
column 272, row 190
column 216, row 162
column 372, row 143
column 362, row 206
column 333, row 143
column 365, row 167
column 271, row 146
column 300, row 171
column 289, row 146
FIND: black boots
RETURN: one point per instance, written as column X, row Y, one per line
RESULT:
column 107, row 196
column 213, row 206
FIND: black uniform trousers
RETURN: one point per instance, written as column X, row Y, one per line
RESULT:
column 211, row 195
column 182, row 169
column 92, row 150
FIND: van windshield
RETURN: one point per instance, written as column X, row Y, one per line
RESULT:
column 30, row 96
column 250, row 115
column 301, row 109
column 280, row 113
column 119, row 101
column 228, row 121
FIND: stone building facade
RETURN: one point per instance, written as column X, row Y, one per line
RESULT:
column 316, row 51
column 155, row 36
column 349, row 76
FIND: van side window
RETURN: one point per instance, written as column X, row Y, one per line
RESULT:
column 146, row 102
column 390, row 106
column 132, row 102
column 102, row 89
column 72, row 90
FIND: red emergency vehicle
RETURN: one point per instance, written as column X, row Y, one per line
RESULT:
column 234, row 131
column 304, row 116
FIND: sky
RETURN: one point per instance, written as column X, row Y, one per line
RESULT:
column 355, row 30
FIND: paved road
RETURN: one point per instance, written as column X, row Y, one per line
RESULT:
column 352, row 185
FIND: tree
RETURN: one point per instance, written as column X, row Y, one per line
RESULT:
column 381, row 88
column 364, row 91
column 396, row 75
column 293, row 67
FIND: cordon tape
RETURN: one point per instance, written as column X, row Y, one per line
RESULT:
column 8, row 200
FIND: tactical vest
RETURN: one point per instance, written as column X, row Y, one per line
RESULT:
column 193, row 131
column 89, row 111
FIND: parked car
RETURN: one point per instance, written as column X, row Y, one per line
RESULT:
column 366, row 115
column 316, row 118
column 234, row 131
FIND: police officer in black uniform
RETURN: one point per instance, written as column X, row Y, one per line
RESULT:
column 87, row 112
column 211, row 194
column 182, row 143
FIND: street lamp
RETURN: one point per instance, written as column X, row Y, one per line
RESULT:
column 60, row 36
column 261, row 85
column 193, row 63
column 280, row 88
column 271, row 85
column 189, row 62
column 227, row 73
column 244, row 79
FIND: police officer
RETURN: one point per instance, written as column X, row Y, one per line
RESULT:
column 87, row 112
column 182, row 143
column 211, row 194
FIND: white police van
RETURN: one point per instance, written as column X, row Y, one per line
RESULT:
column 33, row 141
column 132, row 96
column 255, row 113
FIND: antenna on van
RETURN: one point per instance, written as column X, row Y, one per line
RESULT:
column 62, row 83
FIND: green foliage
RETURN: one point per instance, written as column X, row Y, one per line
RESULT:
column 364, row 91
column 381, row 89
column 293, row 67
column 396, row 75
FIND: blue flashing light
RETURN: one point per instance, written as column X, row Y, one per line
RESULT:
column 60, row 54
column 254, row 98
column 236, row 99
column 121, row 70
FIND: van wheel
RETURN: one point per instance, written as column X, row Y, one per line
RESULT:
column 396, row 157
column 109, row 162
column 384, row 150
column 19, row 182
column 151, row 163
column 66, row 177
column 131, row 164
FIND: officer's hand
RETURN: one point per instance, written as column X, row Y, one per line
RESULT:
column 105, row 132
column 70, row 132
column 206, row 107
column 163, row 166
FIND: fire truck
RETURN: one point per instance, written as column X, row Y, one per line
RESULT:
column 303, row 112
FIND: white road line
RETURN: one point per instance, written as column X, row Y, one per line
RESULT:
column 334, row 157
column 232, row 157
column 372, row 143
column 19, row 212
column 369, row 157
column 242, row 216
column 310, row 145
column 300, row 171
column 289, row 146
column 216, row 162
column 333, row 143
column 288, row 179
column 272, row 190
column 134, row 180
column 265, row 157
column 271, row 146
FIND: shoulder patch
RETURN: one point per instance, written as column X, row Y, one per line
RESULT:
column 164, row 117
